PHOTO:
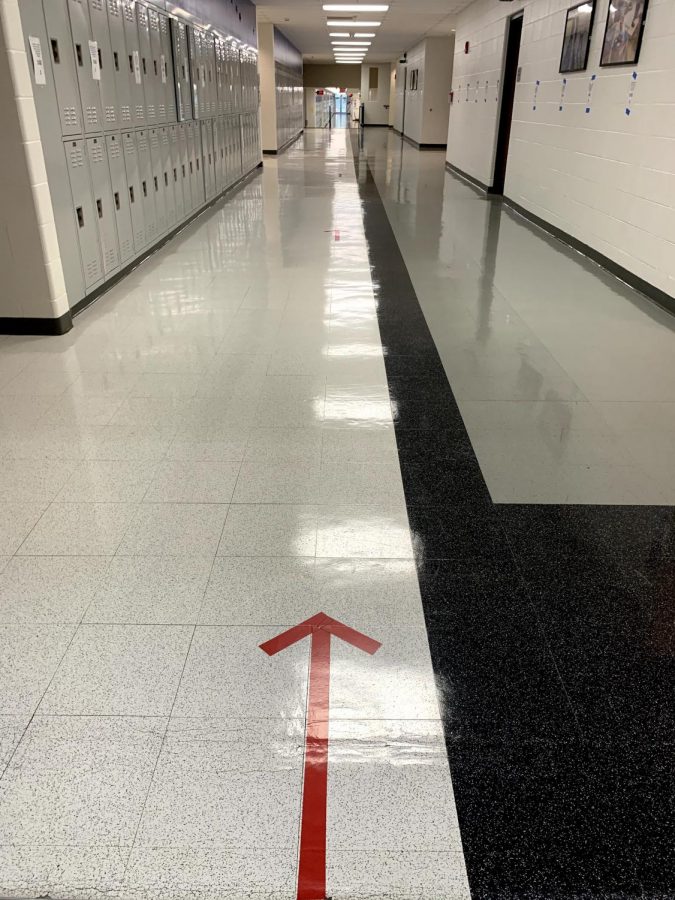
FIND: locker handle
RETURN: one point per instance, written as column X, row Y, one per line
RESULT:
column 131, row 63
column 117, row 200
column 99, row 208
column 55, row 51
column 116, row 60
column 131, row 194
column 166, row 180
column 156, row 183
column 100, row 59
column 78, row 53
column 190, row 167
column 145, row 70
column 80, row 216
column 154, row 62
column 145, row 189
column 183, row 168
column 175, row 175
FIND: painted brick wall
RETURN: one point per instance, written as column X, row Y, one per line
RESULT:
column 605, row 177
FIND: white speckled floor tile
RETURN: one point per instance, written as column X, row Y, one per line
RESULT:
column 225, row 445
column 198, row 873
column 17, row 520
column 227, row 675
column 12, row 728
column 232, row 783
column 27, row 481
column 103, row 481
column 175, row 529
column 64, row 873
column 79, row 529
column 79, row 781
column 30, row 656
column 193, row 481
column 259, row 591
column 118, row 670
column 288, row 481
column 396, row 875
column 377, row 532
column 269, row 530
column 135, row 590
column 49, row 589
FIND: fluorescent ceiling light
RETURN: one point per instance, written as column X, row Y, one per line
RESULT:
column 364, row 34
column 351, row 43
column 346, row 62
column 332, row 23
column 339, row 34
column 356, row 7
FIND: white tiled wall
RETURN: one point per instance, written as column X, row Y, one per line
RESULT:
column 426, row 109
column 605, row 177
column 377, row 102
column 32, row 277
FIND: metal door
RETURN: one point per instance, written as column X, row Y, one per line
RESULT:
column 147, row 186
column 207, row 157
column 135, row 190
column 219, row 154
column 196, row 170
column 119, row 63
column 143, row 22
column 83, row 211
column 219, row 47
column 134, row 61
column 210, row 89
column 155, row 65
column 181, row 63
column 167, row 182
column 63, row 66
column 120, row 195
column 158, row 179
column 177, row 172
column 183, row 143
column 87, row 65
column 100, row 32
column 103, row 202
column 166, row 68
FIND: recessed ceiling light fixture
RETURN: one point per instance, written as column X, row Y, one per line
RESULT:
column 356, row 7
column 362, row 34
column 337, row 23
column 340, row 34
column 351, row 43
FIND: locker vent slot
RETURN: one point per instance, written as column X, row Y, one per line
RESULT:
column 97, row 4
column 114, row 150
column 93, row 269
column 97, row 153
column 80, row 217
column 110, row 114
column 99, row 208
column 117, row 200
column 126, row 114
column 55, row 51
column 76, row 156
column 70, row 115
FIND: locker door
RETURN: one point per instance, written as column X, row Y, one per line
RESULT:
column 219, row 154
column 157, row 179
column 206, row 158
column 86, row 65
column 147, row 186
column 176, row 172
column 119, row 64
column 194, row 70
column 208, row 47
column 220, row 95
column 181, row 64
column 236, row 105
column 185, row 167
column 155, row 65
column 198, row 195
column 83, row 210
column 135, row 191
column 120, row 196
column 134, row 61
column 101, row 35
column 143, row 22
column 167, row 69
column 63, row 66
column 103, row 202
column 167, row 177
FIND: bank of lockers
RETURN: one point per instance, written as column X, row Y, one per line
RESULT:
column 181, row 64
column 134, row 189
column 120, row 196
column 119, row 63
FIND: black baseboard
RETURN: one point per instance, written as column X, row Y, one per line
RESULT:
column 62, row 325
column 418, row 146
column 375, row 125
column 661, row 298
column 45, row 327
column 285, row 147
column 474, row 182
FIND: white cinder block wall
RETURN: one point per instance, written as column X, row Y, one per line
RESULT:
column 604, row 177
column 427, row 108
column 376, row 112
column 30, row 262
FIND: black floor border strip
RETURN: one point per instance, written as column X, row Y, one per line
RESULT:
column 543, row 623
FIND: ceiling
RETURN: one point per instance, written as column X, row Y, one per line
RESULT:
column 406, row 23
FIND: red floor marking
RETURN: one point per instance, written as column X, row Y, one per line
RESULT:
column 312, row 868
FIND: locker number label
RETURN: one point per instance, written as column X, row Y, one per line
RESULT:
column 137, row 66
column 38, row 61
column 95, row 63
column 162, row 67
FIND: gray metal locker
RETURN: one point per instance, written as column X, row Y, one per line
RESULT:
column 184, row 157
column 207, row 157
column 167, row 183
column 100, row 31
column 147, row 185
column 143, row 21
column 135, row 191
column 235, row 81
column 177, row 172
column 197, row 73
column 86, row 65
column 220, row 93
column 134, row 61
column 158, row 179
column 196, row 169
column 83, row 210
column 120, row 194
column 211, row 89
column 155, row 65
column 63, row 67
column 218, row 156
column 103, row 201
column 181, row 63
column 167, row 70
column 119, row 62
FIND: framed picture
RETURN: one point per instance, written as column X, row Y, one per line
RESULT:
column 623, row 32
column 577, row 39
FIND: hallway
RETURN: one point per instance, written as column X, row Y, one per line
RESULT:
column 256, row 426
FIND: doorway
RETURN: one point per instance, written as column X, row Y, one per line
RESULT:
column 509, row 80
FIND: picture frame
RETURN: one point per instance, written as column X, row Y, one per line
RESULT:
column 577, row 37
column 624, row 30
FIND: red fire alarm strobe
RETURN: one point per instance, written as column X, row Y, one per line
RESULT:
column 466, row 46
column 320, row 93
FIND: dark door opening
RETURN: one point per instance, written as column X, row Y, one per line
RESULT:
column 509, row 80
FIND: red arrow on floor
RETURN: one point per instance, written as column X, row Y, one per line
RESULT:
column 312, row 867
